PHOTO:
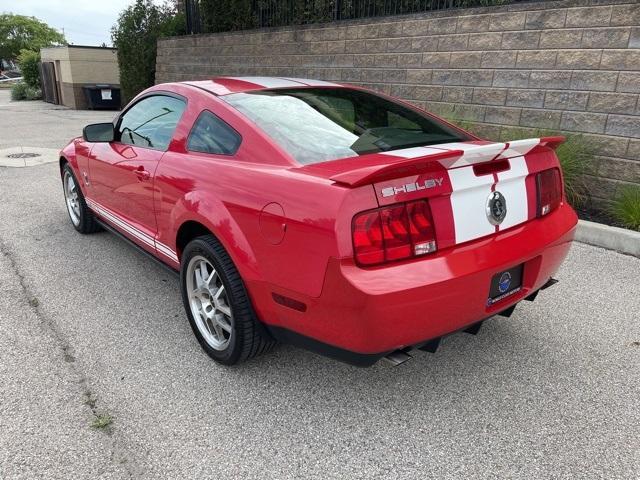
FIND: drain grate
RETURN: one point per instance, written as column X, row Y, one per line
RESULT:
column 23, row 155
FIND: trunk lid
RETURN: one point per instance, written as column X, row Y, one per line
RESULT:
column 459, row 179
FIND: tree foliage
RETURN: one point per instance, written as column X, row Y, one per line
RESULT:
column 28, row 60
column 18, row 32
column 135, row 36
column 229, row 15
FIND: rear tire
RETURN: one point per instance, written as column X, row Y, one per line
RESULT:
column 81, row 216
column 217, row 304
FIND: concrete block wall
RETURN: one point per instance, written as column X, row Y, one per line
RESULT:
column 567, row 65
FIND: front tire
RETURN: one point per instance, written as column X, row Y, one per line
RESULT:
column 217, row 304
column 81, row 216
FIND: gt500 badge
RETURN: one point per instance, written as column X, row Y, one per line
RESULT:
column 412, row 187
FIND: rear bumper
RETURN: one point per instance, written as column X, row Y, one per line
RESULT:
column 363, row 314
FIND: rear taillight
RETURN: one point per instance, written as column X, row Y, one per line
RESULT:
column 393, row 233
column 549, row 191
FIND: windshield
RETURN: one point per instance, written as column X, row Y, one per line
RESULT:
column 319, row 124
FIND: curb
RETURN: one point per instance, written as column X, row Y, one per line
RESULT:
column 612, row 238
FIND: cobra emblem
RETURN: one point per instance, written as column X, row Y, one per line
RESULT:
column 496, row 208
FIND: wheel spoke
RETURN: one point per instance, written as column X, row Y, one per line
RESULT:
column 222, row 323
column 220, row 291
column 224, row 309
column 219, row 332
column 211, row 279
column 200, row 273
column 199, row 292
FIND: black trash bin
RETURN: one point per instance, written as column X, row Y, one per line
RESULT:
column 102, row 96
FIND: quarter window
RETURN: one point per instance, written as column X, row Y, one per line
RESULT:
column 151, row 122
column 211, row 134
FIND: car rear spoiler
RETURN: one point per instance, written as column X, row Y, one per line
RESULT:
column 354, row 172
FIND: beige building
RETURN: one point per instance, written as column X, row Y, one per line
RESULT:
column 69, row 68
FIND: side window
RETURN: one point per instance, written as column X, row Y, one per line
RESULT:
column 151, row 122
column 210, row 134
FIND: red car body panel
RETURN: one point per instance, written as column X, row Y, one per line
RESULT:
column 287, row 227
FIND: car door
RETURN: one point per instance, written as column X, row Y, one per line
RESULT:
column 122, row 172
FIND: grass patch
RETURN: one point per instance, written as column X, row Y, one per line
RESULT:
column 576, row 158
column 626, row 206
column 102, row 421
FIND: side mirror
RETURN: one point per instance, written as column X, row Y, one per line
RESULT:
column 99, row 132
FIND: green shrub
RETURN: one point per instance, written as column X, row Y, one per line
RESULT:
column 135, row 36
column 31, row 93
column 22, row 91
column 576, row 159
column 29, row 62
column 626, row 206
column 18, row 91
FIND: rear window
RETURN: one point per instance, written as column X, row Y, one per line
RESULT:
column 319, row 124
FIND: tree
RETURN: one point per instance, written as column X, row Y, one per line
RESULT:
column 18, row 32
column 135, row 36
column 228, row 15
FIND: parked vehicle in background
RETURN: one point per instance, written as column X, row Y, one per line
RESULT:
column 10, row 76
column 327, row 216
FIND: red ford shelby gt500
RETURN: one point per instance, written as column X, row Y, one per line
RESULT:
column 323, row 215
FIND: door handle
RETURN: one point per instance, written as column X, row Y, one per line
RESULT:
column 141, row 173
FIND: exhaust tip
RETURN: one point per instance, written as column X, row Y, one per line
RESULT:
column 397, row 357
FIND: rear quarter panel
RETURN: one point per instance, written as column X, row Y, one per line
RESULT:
column 228, row 193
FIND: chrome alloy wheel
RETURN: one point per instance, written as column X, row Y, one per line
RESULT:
column 71, row 197
column 209, row 303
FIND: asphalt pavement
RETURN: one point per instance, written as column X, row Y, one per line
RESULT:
column 91, row 329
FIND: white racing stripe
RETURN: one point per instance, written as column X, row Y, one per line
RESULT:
column 120, row 222
column 210, row 86
column 166, row 251
column 414, row 152
column 132, row 230
column 468, row 201
column 472, row 153
column 470, row 192
column 313, row 83
column 519, row 147
column 268, row 82
column 512, row 184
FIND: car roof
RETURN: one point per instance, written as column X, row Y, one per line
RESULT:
column 226, row 85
